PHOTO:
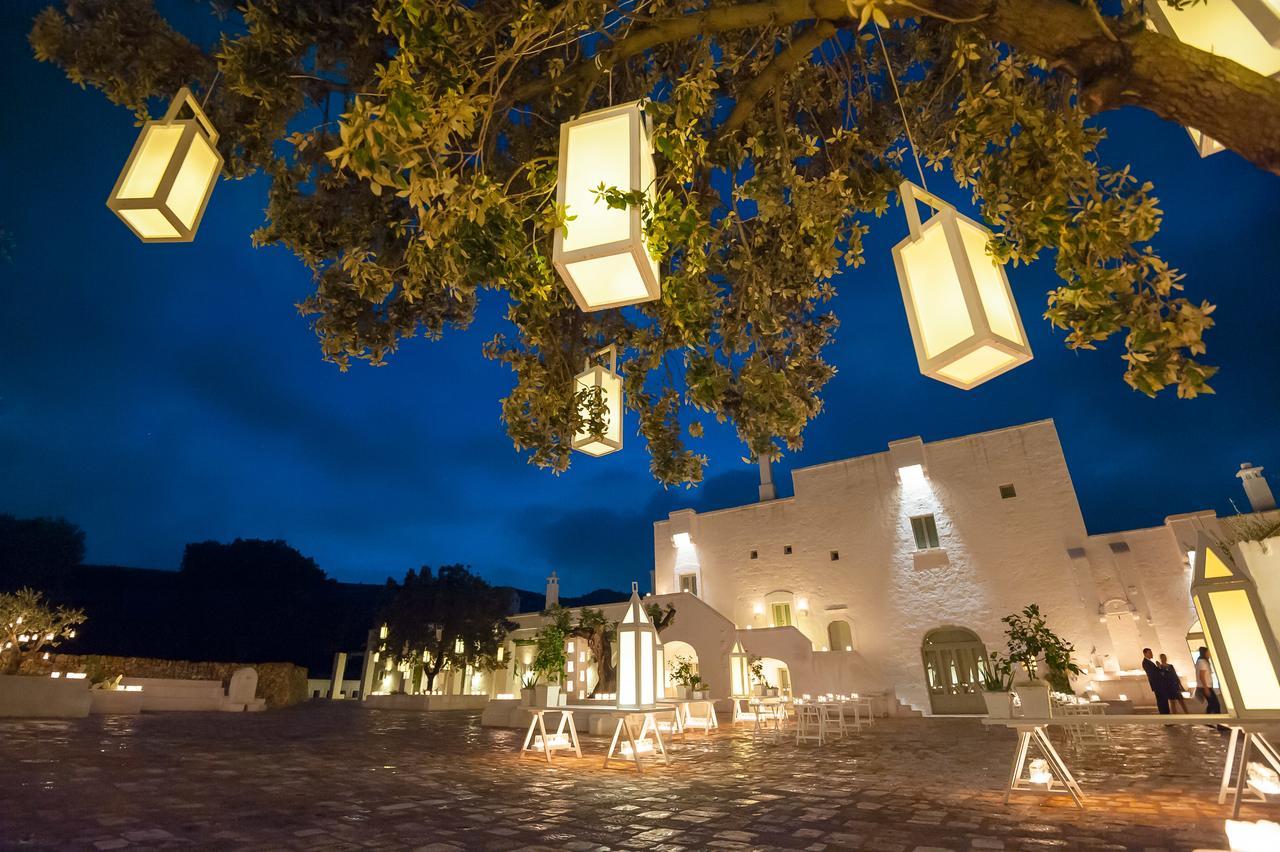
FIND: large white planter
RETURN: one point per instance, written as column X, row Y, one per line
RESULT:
column 118, row 702
column 546, row 695
column 1034, row 698
column 527, row 696
column 682, row 692
column 999, row 704
column 34, row 696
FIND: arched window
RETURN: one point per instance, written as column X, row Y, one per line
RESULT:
column 840, row 635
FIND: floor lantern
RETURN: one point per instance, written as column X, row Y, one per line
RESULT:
column 739, row 672
column 660, row 672
column 964, row 321
column 165, row 185
column 1244, row 31
column 1237, row 632
column 597, row 375
column 600, row 252
column 637, row 657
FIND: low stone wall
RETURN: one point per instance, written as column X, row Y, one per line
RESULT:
column 424, row 703
column 280, row 684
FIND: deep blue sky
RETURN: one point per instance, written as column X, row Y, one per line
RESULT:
column 162, row 394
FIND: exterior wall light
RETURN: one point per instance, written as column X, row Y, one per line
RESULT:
column 165, row 184
column 601, row 254
column 609, row 383
column 1237, row 632
column 802, row 605
column 637, row 657
column 1244, row 31
column 964, row 321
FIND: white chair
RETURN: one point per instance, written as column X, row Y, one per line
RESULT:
column 809, row 724
column 833, row 718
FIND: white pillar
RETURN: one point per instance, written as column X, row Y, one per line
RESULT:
column 339, row 670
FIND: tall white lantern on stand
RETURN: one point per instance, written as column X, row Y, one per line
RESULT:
column 601, row 254
column 1244, row 31
column 1237, row 632
column 739, row 672
column 637, row 657
column 165, row 184
column 609, row 383
column 964, row 321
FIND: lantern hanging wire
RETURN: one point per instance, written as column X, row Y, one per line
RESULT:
column 897, row 96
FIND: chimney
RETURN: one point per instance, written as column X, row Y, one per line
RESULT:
column 553, row 591
column 1256, row 488
column 767, row 491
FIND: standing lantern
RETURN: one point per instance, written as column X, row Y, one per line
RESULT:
column 609, row 384
column 165, row 185
column 739, row 672
column 637, row 657
column 600, row 252
column 660, row 668
column 963, row 319
column 1236, row 631
column 1244, row 31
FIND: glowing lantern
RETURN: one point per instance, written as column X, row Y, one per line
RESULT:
column 739, row 672
column 601, row 254
column 660, row 673
column 637, row 657
column 1244, row 31
column 610, row 389
column 964, row 322
column 166, row 182
column 1039, row 773
column 1237, row 633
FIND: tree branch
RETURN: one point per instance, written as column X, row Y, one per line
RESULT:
column 783, row 61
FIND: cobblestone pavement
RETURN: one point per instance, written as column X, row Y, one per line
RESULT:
column 333, row 776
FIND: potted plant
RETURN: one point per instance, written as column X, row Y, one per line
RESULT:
column 548, row 663
column 996, row 674
column 697, row 688
column 528, row 680
column 760, row 686
column 1031, row 640
column 682, row 675
column 29, row 628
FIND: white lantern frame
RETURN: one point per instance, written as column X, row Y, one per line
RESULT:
column 1005, row 340
column 1221, row 583
column 597, row 375
column 624, row 246
column 196, row 137
column 739, row 672
column 1263, row 20
column 637, row 657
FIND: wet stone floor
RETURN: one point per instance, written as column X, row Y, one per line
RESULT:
column 328, row 775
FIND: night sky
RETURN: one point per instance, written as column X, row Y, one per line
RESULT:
column 157, row 395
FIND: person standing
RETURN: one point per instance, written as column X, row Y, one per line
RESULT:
column 1156, row 680
column 1204, row 682
column 1172, row 685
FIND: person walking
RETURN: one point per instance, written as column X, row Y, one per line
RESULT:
column 1155, row 678
column 1204, row 682
column 1173, row 686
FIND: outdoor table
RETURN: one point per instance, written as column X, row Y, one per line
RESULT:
column 770, row 712
column 859, row 704
column 685, row 714
column 562, row 739
column 1243, row 731
column 627, row 739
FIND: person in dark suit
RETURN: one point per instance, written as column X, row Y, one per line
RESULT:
column 1155, row 678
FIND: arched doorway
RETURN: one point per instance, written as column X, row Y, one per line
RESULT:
column 954, row 658
column 673, row 653
column 777, row 675
column 840, row 635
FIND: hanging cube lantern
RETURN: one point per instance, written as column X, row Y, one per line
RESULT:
column 637, row 656
column 739, row 672
column 610, row 387
column 165, row 185
column 1244, row 31
column 601, row 254
column 1238, row 634
column 964, row 321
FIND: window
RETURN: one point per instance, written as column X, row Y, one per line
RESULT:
column 1007, row 491
column 754, row 554
column 782, row 615
column 787, row 550
column 689, row 583
column 835, row 556
column 926, row 531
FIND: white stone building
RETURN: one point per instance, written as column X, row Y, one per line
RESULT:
column 890, row 573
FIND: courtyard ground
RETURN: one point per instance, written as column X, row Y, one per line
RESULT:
column 328, row 775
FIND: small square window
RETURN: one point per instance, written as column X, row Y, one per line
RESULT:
column 925, row 529
column 835, row 556
column 754, row 554
column 1007, row 491
column 787, row 549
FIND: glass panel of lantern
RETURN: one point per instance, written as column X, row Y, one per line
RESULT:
column 165, row 184
column 600, row 252
column 1242, row 645
column 964, row 321
column 1244, row 31
column 637, row 651
column 739, row 672
column 660, row 668
column 605, row 381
